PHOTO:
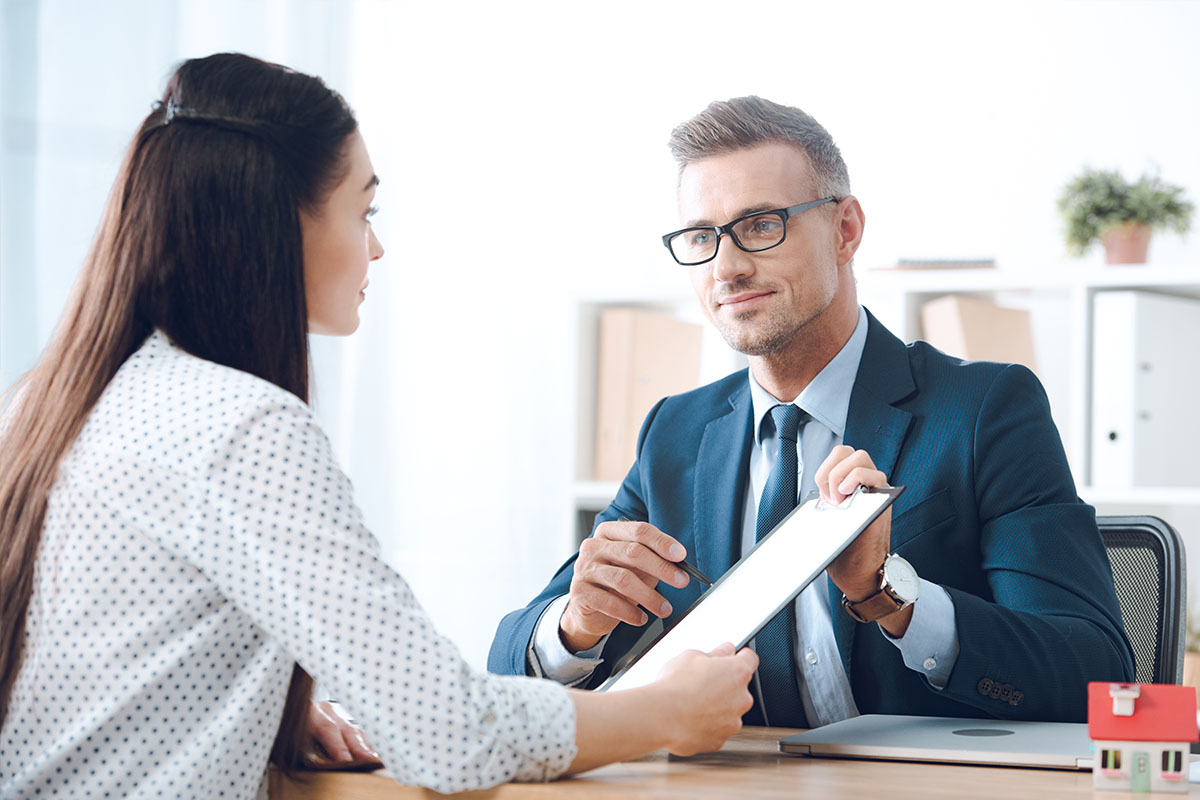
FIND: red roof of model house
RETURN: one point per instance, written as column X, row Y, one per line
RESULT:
column 1141, row 712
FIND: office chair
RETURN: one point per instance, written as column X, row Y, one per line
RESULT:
column 1150, row 576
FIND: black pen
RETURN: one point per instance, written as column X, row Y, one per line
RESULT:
column 684, row 565
column 695, row 573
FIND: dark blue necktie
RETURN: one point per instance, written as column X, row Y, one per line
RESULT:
column 774, row 644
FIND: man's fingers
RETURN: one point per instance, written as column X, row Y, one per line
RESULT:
column 629, row 587
column 615, row 578
column 844, row 471
column 845, row 479
column 596, row 554
column 645, row 534
column 617, row 593
column 835, row 457
column 861, row 476
column 839, row 473
column 594, row 601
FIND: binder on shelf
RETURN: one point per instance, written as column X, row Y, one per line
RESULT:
column 976, row 330
column 644, row 356
column 1145, row 424
column 943, row 263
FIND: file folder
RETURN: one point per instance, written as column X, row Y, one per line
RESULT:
column 1145, row 390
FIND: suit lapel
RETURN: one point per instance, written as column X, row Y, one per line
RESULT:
column 722, row 469
column 875, row 425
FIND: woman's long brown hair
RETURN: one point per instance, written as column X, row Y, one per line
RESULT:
column 201, row 239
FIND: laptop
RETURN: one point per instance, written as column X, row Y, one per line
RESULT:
column 1048, row 745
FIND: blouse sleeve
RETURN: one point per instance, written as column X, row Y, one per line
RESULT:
column 275, row 526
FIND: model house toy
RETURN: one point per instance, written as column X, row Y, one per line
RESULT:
column 1141, row 734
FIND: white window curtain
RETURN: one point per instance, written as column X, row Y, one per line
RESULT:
column 75, row 79
column 425, row 415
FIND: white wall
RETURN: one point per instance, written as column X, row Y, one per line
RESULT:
column 522, row 151
column 543, row 131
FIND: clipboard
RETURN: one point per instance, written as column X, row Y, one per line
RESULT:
column 760, row 585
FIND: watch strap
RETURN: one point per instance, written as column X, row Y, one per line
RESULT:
column 877, row 606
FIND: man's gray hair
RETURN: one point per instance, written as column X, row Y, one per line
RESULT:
column 728, row 125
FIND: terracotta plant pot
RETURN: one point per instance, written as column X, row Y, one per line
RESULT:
column 1127, row 243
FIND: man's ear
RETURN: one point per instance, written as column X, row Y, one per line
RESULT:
column 849, row 221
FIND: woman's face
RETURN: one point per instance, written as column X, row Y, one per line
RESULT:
column 338, row 245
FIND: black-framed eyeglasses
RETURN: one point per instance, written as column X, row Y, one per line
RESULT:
column 752, row 233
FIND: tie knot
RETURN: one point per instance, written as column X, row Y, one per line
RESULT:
column 787, row 419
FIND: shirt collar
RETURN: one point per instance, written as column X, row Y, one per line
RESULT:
column 827, row 397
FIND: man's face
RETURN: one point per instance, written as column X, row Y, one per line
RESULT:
column 761, row 301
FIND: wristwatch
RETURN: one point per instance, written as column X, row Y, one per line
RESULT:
column 899, row 588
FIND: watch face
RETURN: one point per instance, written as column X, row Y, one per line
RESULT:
column 903, row 579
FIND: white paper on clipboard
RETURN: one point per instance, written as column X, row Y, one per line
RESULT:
column 758, row 587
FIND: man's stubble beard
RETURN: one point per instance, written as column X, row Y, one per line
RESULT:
column 770, row 338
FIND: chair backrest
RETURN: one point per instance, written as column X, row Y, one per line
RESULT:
column 1149, row 573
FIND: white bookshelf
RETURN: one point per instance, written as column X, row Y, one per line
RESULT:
column 1059, row 298
column 1141, row 496
column 589, row 496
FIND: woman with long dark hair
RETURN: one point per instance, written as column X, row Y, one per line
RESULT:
column 179, row 551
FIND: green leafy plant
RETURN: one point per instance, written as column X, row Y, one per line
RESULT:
column 1099, row 200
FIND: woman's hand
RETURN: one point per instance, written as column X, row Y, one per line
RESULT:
column 694, row 706
column 705, row 696
column 337, row 743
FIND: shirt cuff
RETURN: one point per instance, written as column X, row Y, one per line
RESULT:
column 549, row 657
column 930, row 645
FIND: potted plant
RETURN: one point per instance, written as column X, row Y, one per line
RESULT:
column 1102, row 205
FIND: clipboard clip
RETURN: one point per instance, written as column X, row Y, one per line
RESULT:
column 845, row 504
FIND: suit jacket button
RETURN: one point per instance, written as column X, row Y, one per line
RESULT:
column 984, row 686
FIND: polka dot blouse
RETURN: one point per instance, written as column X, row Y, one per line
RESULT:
column 200, row 539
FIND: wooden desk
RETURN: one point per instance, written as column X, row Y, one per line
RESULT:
column 750, row 766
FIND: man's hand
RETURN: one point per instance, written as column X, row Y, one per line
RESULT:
column 856, row 570
column 616, row 571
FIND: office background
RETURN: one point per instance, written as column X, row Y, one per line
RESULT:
column 522, row 151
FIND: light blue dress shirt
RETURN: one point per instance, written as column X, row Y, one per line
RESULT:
column 929, row 646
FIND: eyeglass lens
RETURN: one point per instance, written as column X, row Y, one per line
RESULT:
column 752, row 233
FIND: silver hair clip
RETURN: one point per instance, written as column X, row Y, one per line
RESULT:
column 172, row 110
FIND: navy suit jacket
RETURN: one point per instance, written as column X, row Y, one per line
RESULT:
column 990, row 513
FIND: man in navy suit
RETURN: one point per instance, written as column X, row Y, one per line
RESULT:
column 984, row 591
